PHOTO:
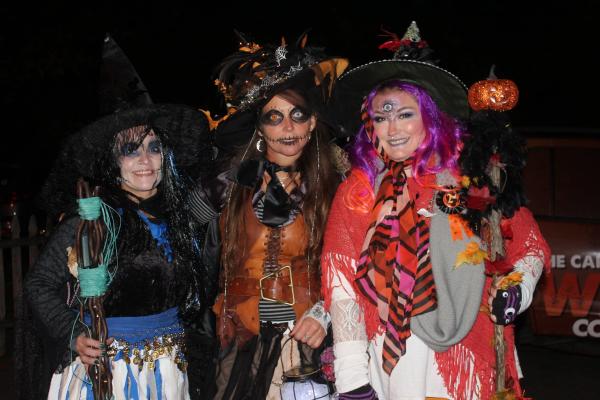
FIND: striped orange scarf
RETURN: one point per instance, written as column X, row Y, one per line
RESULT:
column 394, row 270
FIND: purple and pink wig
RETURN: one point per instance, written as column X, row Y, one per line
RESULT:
column 440, row 147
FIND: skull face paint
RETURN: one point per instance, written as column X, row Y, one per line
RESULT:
column 286, row 128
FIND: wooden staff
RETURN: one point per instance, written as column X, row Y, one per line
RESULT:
column 500, row 351
column 89, row 242
column 497, row 251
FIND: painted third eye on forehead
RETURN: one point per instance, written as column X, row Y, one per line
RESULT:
column 390, row 108
column 276, row 116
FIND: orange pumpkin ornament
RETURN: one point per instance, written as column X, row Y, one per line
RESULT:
column 493, row 94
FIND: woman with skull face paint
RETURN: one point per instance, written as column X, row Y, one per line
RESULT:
column 140, row 160
column 274, row 206
column 408, row 241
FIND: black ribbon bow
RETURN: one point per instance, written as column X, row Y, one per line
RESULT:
column 277, row 202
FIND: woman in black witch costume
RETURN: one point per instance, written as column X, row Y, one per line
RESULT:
column 138, row 159
column 275, row 203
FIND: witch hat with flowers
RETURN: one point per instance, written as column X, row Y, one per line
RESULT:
column 412, row 62
column 254, row 73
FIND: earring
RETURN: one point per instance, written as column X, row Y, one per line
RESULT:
column 260, row 145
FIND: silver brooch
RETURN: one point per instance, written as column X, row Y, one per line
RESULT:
column 280, row 54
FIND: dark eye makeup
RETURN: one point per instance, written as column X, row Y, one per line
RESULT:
column 274, row 117
column 131, row 149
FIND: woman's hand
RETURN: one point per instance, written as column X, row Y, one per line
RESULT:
column 308, row 330
column 90, row 350
column 504, row 305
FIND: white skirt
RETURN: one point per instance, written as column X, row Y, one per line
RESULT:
column 165, row 382
column 415, row 377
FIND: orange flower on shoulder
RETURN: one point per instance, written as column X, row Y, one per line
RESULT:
column 471, row 255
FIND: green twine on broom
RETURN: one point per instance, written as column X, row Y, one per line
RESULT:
column 94, row 281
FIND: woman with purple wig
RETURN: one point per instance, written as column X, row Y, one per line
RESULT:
column 410, row 236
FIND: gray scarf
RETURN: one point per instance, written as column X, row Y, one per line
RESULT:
column 459, row 290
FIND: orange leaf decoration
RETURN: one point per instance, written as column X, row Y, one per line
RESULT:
column 512, row 279
column 333, row 68
column 465, row 181
column 250, row 47
column 471, row 255
column 493, row 94
column 457, row 226
column 213, row 123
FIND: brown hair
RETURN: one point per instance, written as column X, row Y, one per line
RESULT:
column 319, row 177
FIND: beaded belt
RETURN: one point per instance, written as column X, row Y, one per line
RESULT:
column 147, row 338
column 150, row 350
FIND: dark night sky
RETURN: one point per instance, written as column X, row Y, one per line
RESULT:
column 50, row 57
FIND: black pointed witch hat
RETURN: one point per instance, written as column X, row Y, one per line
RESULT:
column 120, row 86
column 125, row 103
column 254, row 73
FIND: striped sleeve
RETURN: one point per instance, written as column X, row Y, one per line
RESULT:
column 200, row 207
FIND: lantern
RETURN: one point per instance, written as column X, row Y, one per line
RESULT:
column 299, row 384
column 493, row 94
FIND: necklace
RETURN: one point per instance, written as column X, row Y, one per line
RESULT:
column 288, row 179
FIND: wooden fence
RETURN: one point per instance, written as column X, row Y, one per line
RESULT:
column 16, row 256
